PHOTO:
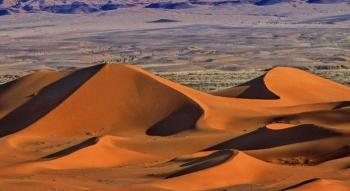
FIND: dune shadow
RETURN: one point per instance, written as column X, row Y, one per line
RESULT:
column 336, row 116
column 257, row 90
column 336, row 154
column 184, row 118
column 263, row 138
column 300, row 184
column 202, row 163
column 254, row 89
column 342, row 105
column 44, row 101
column 72, row 149
column 4, row 87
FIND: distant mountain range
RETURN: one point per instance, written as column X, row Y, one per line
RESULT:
column 8, row 7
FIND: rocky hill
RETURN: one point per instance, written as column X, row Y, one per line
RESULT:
column 8, row 7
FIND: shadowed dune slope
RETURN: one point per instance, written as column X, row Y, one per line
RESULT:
column 255, row 89
column 320, row 184
column 290, row 85
column 258, row 138
column 17, row 92
column 118, row 127
column 297, row 86
column 43, row 101
column 114, row 99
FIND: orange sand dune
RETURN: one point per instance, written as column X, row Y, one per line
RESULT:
column 117, row 127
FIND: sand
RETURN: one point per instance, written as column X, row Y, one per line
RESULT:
column 118, row 127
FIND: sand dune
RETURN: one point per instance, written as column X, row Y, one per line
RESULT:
column 117, row 127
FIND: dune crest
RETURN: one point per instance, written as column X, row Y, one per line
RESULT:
column 117, row 127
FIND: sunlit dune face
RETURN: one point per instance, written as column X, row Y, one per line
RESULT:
column 117, row 127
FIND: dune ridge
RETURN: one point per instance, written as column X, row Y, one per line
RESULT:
column 118, row 127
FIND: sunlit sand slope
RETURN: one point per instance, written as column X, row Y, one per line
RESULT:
column 117, row 127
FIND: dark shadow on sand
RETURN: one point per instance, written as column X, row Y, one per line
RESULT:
column 205, row 162
column 44, row 101
column 254, row 89
column 263, row 138
column 184, row 118
column 69, row 150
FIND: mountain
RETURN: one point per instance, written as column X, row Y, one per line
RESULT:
column 60, row 6
column 8, row 7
